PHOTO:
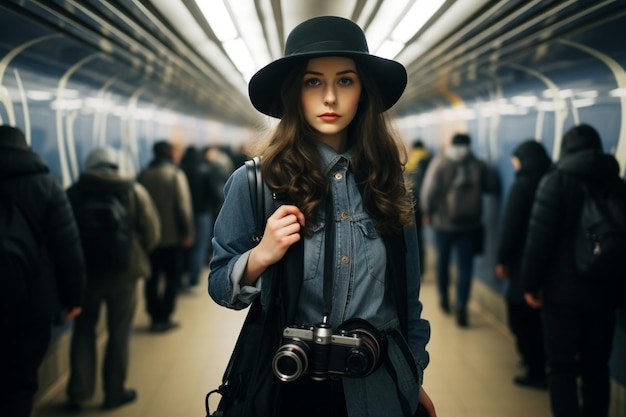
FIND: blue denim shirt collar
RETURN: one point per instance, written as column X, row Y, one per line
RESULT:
column 330, row 157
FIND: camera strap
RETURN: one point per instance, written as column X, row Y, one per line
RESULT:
column 329, row 255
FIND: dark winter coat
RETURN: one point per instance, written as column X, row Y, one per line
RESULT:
column 60, row 281
column 206, row 191
column 514, row 227
column 548, row 263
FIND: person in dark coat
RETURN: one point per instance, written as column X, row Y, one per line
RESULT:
column 117, row 289
column 531, row 162
column 206, row 194
column 578, row 317
column 56, row 285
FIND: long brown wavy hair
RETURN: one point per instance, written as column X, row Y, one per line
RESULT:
column 291, row 157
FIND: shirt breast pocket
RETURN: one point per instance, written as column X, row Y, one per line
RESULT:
column 313, row 252
column 370, row 251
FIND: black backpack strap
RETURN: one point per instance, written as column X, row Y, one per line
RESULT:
column 395, row 247
column 257, row 196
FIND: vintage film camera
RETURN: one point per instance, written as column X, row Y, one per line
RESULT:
column 354, row 350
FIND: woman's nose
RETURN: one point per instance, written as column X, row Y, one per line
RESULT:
column 329, row 95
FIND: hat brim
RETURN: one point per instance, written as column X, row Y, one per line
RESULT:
column 264, row 87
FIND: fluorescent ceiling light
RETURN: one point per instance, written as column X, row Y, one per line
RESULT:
column 587, row 94
column 386, row 17
column 415, row 19
column 618, row 92
column 39, row 95
column 404, row 25
column 219, row 19
column 238, row 52
column 389, row 49
column 583, row 102
column 525, row 101
column 251, row 30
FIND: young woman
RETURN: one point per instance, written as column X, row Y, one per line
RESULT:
column 332, row 152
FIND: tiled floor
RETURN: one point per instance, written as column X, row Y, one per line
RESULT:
column 469, row 375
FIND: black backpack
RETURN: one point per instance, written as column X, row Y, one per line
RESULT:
column 601, row 237
column 463, row 196
column 20, row 250
column 106, row 232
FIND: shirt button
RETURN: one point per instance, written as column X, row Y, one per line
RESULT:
column 344, row 215
column 338, row 176
column 345, row 260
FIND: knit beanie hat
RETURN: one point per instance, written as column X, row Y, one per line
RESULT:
column 461, row 139
column 580, row 137
column 103, row 158
column 13, row 137
column 532, row 154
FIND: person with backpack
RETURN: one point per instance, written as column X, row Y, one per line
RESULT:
column 42, row 272
column 169, row 189
column 340, row 251
column 531, row 162
column 578, row 312
column 119, row 226
column 451, row 199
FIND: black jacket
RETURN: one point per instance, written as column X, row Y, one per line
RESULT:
column 60, row 282
column 548, row 263
column 206, row 190
column 514, row 227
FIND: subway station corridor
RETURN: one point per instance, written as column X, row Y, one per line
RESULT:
column 470, row 373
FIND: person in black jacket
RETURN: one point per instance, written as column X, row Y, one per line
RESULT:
column 206, row 194
column 578, row 317
column 57, row 283
column 531, row 162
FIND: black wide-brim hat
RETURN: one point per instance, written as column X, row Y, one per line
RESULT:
column 318, row 37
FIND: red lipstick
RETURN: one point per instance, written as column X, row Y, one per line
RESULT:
column 329, row 117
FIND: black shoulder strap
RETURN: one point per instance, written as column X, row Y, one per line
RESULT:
column 396, row 274
column 264, row 202
column 255, row 182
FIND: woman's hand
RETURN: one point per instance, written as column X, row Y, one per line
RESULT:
column 281, row 231
column 426, row 403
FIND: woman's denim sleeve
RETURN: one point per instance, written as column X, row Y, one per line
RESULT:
column 419, row 328
column 232, row 241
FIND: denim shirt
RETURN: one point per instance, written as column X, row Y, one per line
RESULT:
column 358, row 279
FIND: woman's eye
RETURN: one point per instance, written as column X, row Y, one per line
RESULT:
column 345, row 81
column 312, row 82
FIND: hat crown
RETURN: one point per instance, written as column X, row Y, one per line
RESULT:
column 337, row 34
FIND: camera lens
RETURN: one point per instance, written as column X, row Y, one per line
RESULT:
column 291, row 360
column 357, row 362
column 362, row 359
